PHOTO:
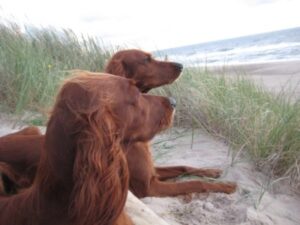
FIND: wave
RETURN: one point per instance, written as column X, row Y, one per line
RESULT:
column 287, row 50
column 277, row 45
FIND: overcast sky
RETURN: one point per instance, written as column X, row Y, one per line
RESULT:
column 157, row 24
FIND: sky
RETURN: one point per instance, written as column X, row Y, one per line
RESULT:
column 157, row 24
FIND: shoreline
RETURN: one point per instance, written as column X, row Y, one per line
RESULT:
column 284, row 67
column 278, row 77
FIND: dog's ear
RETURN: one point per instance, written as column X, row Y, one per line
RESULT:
column 119, row 67
column 116, row 67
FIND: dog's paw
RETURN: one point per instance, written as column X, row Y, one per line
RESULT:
column 229, row 187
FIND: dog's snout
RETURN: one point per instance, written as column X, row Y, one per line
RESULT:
column 179, row 66
column 172, row 102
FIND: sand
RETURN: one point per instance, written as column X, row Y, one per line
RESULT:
column 255, row 202
column 274, row 76
column 259, row 200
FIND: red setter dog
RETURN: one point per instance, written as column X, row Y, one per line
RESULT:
column 82, row 177
column 147, row 72
column 145, row 179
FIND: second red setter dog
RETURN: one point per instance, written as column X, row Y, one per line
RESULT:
column 82, row 177
column 140, row 66
column 145, row 179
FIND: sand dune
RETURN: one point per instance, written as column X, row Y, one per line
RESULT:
column 256, row 201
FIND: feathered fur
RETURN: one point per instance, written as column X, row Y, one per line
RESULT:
column 82, row 178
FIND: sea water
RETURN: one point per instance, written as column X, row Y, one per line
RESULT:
column 267, row 47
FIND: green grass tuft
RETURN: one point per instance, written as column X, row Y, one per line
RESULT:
column 33, row 63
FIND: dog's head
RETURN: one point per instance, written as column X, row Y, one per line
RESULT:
column 143, row 68
column 119, row 106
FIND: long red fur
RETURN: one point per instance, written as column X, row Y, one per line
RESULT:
column 82, row 177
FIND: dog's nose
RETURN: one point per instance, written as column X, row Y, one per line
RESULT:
column 179, row 66
column 172, row 102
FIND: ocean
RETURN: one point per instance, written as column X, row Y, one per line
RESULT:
column 267, row 47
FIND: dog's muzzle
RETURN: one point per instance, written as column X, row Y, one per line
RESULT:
column 172, row 102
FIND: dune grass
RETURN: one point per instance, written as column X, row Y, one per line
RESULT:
column 33, row 62
column 247, row 117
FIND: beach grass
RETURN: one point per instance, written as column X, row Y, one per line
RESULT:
column 249, row 118
column 32, row 63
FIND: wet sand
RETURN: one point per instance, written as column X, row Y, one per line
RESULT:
column 275, row 76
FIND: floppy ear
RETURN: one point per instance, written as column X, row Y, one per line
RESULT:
column 116, row 67
column 101, row 199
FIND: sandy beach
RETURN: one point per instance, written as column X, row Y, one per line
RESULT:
column 259, row 200
column 275, row 76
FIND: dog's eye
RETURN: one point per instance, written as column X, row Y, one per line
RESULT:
column 147, row 59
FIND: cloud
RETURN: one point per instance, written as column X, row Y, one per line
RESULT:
column 159, row 24
column 266, row 2
column 262, row 2
column 90, row 18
